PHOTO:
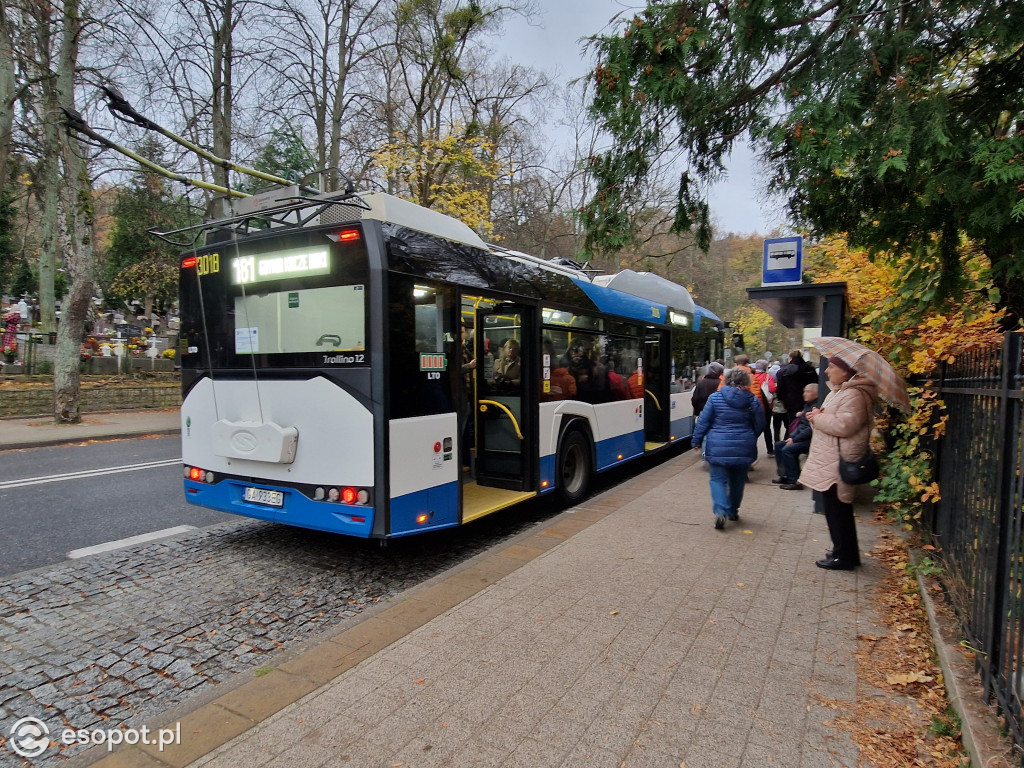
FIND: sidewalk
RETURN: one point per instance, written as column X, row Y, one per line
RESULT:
column 627, row 632
column 38, row 431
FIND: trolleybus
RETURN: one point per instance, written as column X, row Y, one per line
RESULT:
column 325, row 382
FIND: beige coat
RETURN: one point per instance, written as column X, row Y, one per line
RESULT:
column 846, row 418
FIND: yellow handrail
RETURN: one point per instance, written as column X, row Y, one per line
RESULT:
column 656, row 403
column 515, row 424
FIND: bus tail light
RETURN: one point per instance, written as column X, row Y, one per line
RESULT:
column 189, row 262
column 348, row 235
column 197, row 475
column 345, row 495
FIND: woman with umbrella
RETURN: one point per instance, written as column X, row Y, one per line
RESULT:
column 842, row 427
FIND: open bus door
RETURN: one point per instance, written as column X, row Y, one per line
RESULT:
column 657, row 389
column 506, row 408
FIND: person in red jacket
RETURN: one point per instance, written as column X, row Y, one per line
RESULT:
column 764, row 381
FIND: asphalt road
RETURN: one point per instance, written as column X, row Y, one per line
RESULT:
column 64, row 498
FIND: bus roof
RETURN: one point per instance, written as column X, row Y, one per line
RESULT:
column 385, row 207
column 649, row 286
column 624, row 304
column 700, row 313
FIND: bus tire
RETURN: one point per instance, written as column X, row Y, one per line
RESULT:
column 573, row 467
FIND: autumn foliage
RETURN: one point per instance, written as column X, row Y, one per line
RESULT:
column 450, row 174
column 895, row 309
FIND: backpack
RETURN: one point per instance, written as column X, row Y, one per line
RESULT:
column 768, row 389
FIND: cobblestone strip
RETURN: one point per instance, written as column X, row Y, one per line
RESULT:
column 115, row 639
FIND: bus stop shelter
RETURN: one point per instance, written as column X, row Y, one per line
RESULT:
column 809, row 305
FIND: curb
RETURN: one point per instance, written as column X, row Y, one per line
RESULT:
column 979, row 731
column 126, row 435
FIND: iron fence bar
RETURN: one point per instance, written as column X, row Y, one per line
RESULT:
column 1006, row 473
column 1000, row 577
column 1011, row 393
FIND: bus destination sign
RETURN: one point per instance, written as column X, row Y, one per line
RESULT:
column 273, row 266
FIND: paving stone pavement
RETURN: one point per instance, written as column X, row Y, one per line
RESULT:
column 120, row 637
column 631, row 633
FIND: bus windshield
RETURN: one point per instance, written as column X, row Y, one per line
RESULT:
column 297, row 302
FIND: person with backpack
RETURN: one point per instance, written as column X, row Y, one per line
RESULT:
column 766, row 394
column 778, row 410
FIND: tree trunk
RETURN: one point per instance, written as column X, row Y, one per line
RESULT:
column 48, row 169
column 7, row 89
column 78, row 257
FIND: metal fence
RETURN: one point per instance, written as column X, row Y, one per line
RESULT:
column 979, row 521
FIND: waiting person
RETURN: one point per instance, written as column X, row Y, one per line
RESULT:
column 779, row 423
column 732, row 421
column 845, row 418
column 765, row 389
column 709, row 383
column 792, row 378
column 796, row 443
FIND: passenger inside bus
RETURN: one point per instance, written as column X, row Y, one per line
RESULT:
column 508, row 369
column 591, row 377
column 616, row 384
column 562, row 386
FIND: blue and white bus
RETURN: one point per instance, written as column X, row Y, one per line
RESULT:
column 325, row 384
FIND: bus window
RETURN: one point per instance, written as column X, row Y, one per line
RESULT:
column 423, row 351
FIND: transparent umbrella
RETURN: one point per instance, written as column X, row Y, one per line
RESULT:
column 891, row 386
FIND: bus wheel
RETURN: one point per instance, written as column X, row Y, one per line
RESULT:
column 573, row 468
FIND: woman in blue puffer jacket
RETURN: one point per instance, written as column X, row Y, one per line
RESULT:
column 731, row 422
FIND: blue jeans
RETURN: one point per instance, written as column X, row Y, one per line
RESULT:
column 787, row 459
column 727, row 485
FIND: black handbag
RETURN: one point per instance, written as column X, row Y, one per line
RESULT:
column 859, row 471
column 863, row 470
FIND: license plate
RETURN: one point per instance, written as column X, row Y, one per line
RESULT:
column 265, row 497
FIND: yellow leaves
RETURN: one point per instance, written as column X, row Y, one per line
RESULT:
column 450, row 174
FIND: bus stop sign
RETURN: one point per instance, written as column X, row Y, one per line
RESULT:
column 783, row 262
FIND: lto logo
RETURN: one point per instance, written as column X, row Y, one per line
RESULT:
column 29, row 737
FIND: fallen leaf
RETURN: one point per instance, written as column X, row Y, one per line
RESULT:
column 908, row 678
column 614, row 613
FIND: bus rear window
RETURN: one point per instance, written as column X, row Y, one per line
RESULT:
column 312, row 320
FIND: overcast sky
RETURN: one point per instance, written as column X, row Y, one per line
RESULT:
column 553, row 44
